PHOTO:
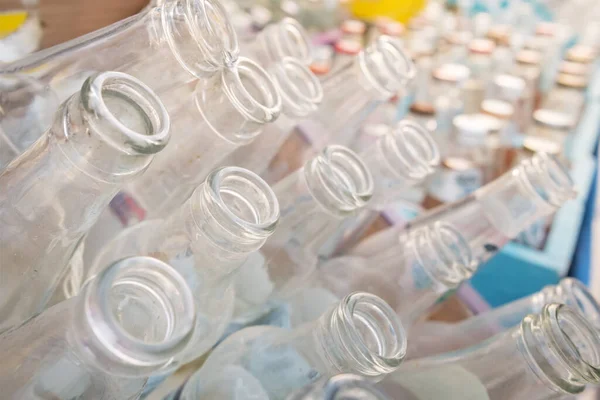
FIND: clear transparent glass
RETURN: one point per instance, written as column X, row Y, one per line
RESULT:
column 339, row 387
column 206, row 240
column 301, row 94
column 162, row 46
column 497, row 212
column 552, row 354
column 285, row 38
column 26, row 111
column 435, row 337
column 410, row 275
column 134, row 319
column 567, row 96
column 314, row 202
column 53, row 193
column 359, row 335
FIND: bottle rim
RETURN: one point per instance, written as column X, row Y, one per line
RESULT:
column 546, row 179
column 300, row 89
column 293, row 41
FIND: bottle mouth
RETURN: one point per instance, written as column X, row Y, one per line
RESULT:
column 252, row 91
column 126, row 113
column 342, row 183
column 547, row 179
column 444, row 253
column 576, row 295
column 215, row 36
column 371, row 334
column 300, row 89
column 142, row 312
column 387, row 66
column 293, row 42
column 410, row 151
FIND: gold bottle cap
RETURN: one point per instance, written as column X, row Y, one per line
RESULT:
column 392, row 28
column 457, row 164
column 500, row 34
column 422, row 108
column 538, row 144
column 581, row 54
column 572, row 81
column 497, row 108
column 553, row 119
column 529, row 57
column 353, row 27
column 459, row 37
column 482, row 46
column 451, row 72
column 546, row 29
column 574, row 68
column 348, row 46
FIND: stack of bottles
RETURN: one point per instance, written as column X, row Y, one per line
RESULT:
column 165, row 190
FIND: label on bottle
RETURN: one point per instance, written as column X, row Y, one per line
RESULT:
column 124, row 207
column 452, row 184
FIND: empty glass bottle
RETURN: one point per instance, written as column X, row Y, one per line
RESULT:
column 134, row 319
column 314, row 202
column 285, row 38
column 359, row 335
column 410, row 275
column 53, row 193
column 497, row 212
column 339, row 387
column 437, row 337
column 206, row 240
column 552, row 354
column 163, row 46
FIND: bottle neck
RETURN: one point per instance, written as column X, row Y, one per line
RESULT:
column 301, row 91
column 134, row 319
column 285, row 39
column 246, row 96
column 339, row 387
column 112, row 128
column 361, row 335
column 206, row 42
column 229, row 216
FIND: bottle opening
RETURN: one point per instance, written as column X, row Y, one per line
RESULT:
column 300, row 89
column 125, row 112
column 548, row 178
column 579, row 298
column 411, row 151
column 295, row 42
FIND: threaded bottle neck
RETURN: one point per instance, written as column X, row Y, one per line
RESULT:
column 301, row 91
column 206, row 42
column 361, row 335
column 339, row 181
column 562, row 348
column 134, row 319
column 284, row 39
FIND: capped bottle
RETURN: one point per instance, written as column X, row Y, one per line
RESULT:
column 206, row 240
column 314, row 201
column 436, row 337
column 132, row 320
column 102, row 137
column 551, row 354
column 497, row 212
column 359, row 335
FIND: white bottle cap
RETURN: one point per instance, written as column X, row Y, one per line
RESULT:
column 554, row 119
column 498, row 108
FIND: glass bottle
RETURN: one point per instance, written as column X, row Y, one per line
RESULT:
column 26, row 111
column 134, row 319
column 285, row 38
column 162, row 46
column 552, row 354
column 513, row 90
column 554, row 125
column 53, row 193
column 480, row 63
column 436, row 337
column 497, row 212
column 339, row 387
column 301, row 94
column 528, row 67
column 206, row 240
column 314, row 202
column 567, row 96
column 410, row 275
column 359, row 335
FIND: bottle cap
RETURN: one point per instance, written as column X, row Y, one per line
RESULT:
column 529, row 57
column 482, row 46
column 546, row 29
column 500, row 34
column 574, row 68
column 473, row 128
column 422, row 108
column 348, row 46
column 497, row 108
column 457, row 164
column 459, row 37
column 572, row 81
column 451, row 72
column 510, row 85
column 554, row 119
column 353, row 27
column 392, row 28
column 581, row 54
column 537, row 43
column 322, row 59
column 537, row 144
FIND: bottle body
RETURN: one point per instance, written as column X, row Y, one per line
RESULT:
column 55, row 191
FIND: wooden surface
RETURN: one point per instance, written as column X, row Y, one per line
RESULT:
column 63, row 20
